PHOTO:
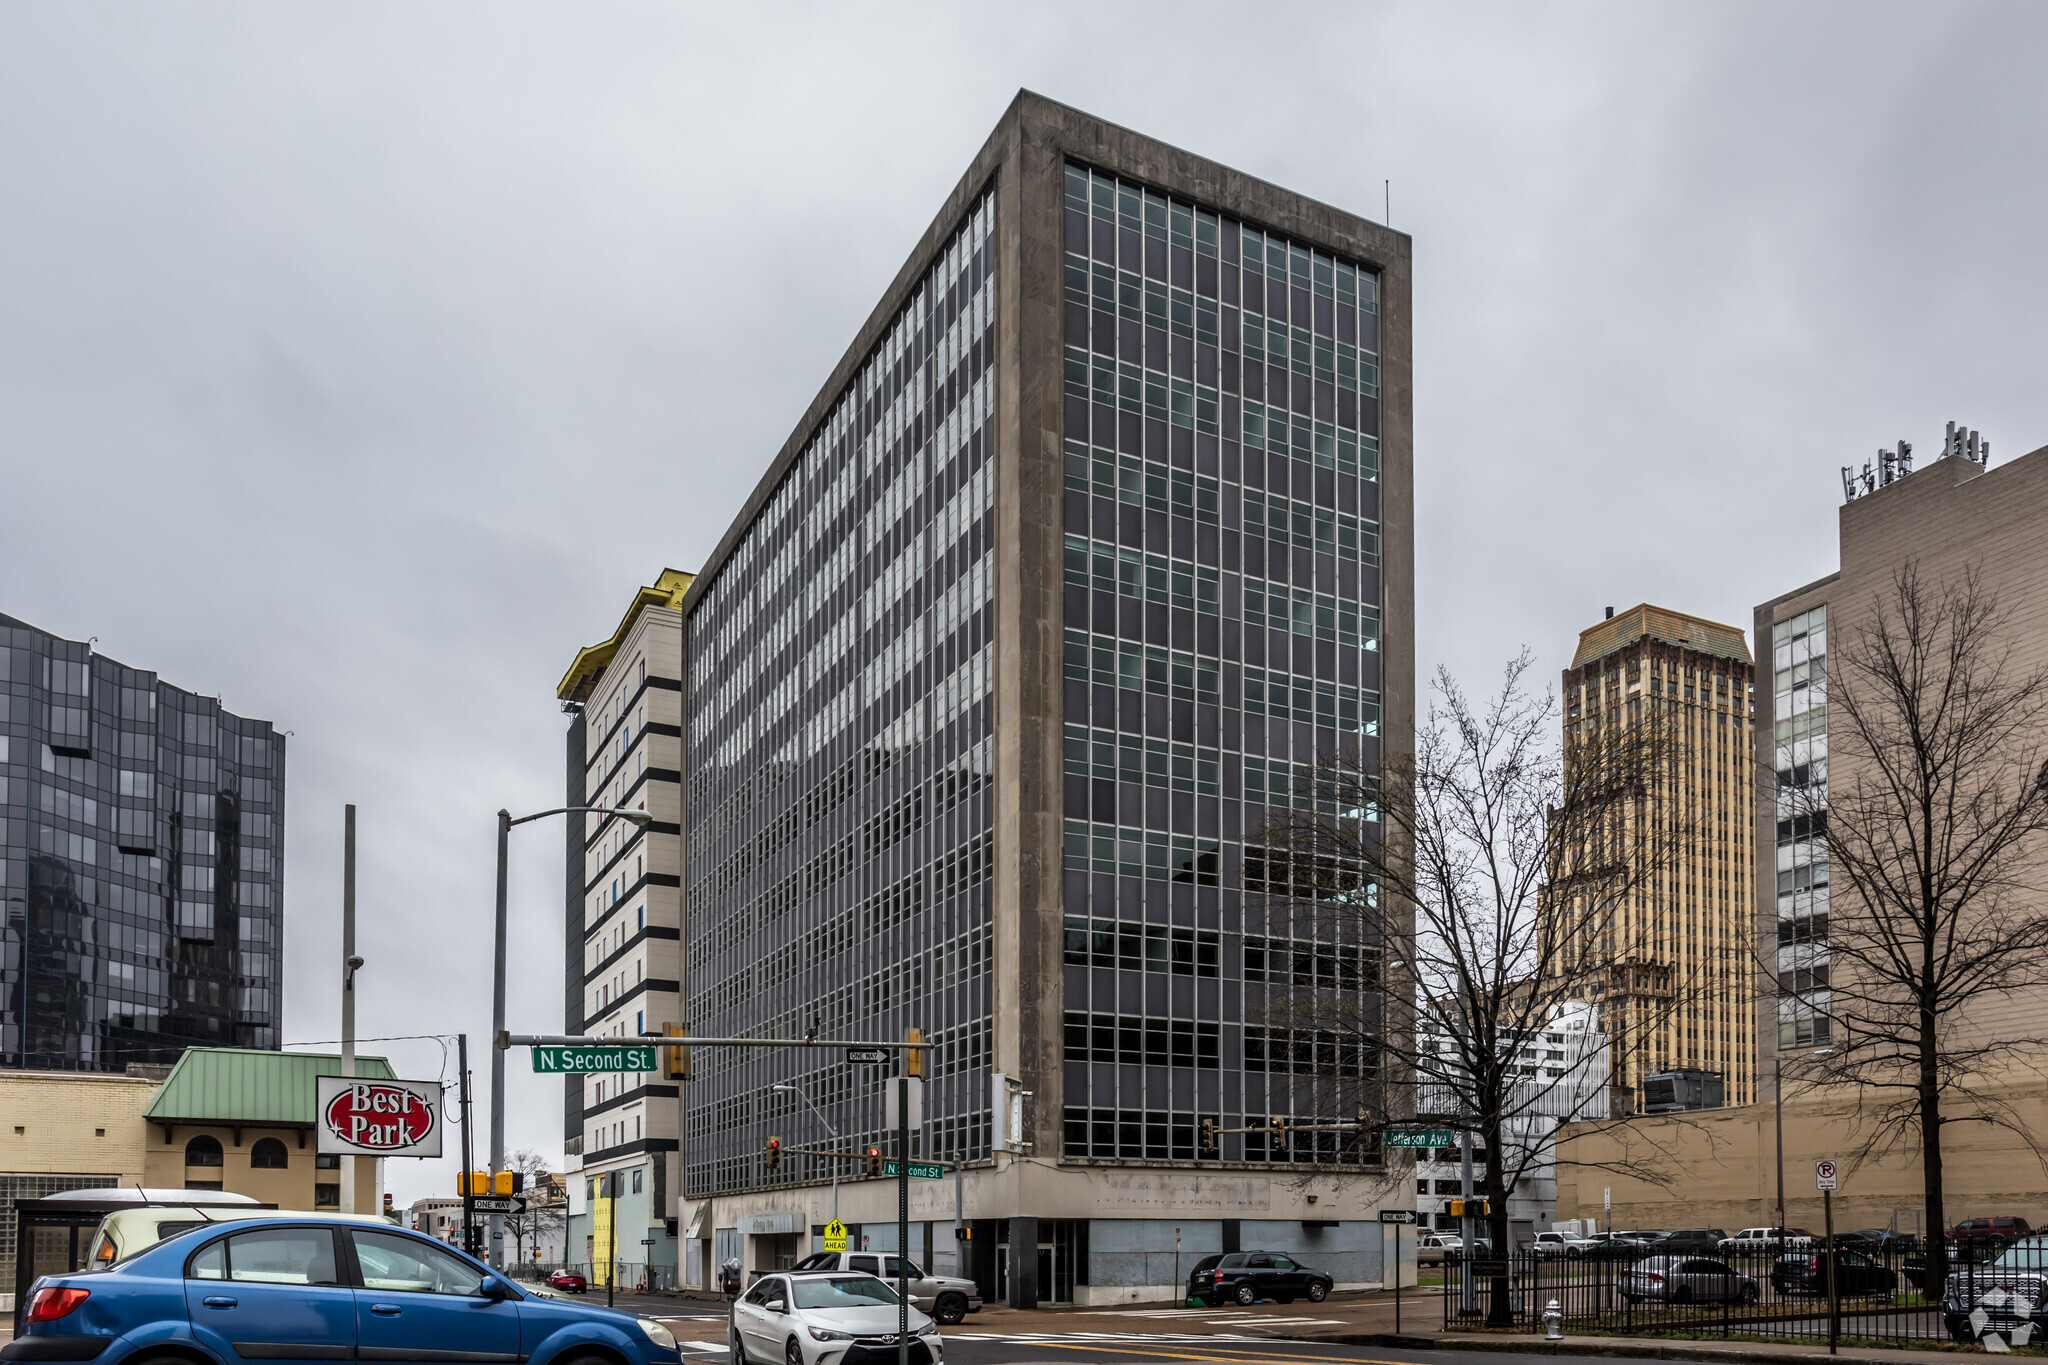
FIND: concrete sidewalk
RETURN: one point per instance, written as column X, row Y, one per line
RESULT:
column 1646, row 1348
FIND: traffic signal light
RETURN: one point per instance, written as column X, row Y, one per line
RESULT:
column 913, row 1060
column 676, row 1060
column 474, row 1182
column 1468, row 1208
column 1278, row 1128
column 963, row 1233
column 774, row 1157
column 874, row 1161
column 1209, row 1136
column 505, row 1184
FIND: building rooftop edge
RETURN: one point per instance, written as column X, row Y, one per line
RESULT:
column 1646, row 621
column 668, row 590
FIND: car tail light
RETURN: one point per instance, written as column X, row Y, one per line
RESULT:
column 52, row 1302
column 1654, row 1278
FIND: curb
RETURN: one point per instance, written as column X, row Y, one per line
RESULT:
column 1594, row 1347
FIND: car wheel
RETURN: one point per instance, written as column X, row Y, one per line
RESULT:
column 1632, row 1298
column 736, row 1354
column 1246, row 1295
column 1748, row 1294
column 1681, row 1295
column 792, row 1353
column 949, row 1310
column 1317, row 1291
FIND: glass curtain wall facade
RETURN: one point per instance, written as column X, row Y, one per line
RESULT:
column 1799, row 666
column 140, row 863
column 839, row 740
column 1222, row 630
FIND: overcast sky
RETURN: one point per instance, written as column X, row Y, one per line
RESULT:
column 358, row 362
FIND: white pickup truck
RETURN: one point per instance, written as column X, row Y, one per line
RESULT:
column 947, row 1299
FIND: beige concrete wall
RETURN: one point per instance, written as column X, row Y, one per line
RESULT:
column 1722, row 1167
column 291, row 1188
column 71, row 1123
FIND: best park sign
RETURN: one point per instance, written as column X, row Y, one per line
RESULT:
column 378, row 1118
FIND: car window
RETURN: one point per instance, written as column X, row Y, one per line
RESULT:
column 897, row 1265
column 1235, row 1258
column 392, row 1262
column 758, row 1295
column 1282, row 1263
column 871, row 1264
column 1260, row 1262
column 850, row 1291
column 1208, row 1263
column 270, row 1256
column 824, row 1260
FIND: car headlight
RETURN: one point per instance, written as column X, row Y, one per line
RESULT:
column 827, row 1334
column 657, row 1334
column 930, row 1328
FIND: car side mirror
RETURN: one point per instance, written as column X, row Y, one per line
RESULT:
column 776, row 1306
column 495, row 1288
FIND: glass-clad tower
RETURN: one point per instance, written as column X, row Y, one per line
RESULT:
column 1096, row 538
column 140, row 863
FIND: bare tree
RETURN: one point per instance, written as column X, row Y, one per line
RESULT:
column 1486, row 874
column 1932, row 803
column 545, row 1210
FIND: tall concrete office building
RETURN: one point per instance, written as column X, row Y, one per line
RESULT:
column 1096, row 536
column 1953, row 515
column 623, row 905
column 1680, row 989
column 141, row 867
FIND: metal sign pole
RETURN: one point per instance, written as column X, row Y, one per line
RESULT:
column 903, row 1220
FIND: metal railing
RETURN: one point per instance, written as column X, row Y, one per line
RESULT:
column 1884, row 1294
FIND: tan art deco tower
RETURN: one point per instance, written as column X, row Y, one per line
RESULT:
column 1680, row 991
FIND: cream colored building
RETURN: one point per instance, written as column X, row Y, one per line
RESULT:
column 1680, row 990
column 624, row 916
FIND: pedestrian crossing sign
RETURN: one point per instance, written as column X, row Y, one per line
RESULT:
column 835, row 1236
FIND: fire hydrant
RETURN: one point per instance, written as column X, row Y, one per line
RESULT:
column 1553, row 1322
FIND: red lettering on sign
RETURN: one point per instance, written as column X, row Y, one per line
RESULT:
column 359, row 1114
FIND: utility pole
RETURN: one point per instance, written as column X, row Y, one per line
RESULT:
column 468, row 1207
column 497, row 1247
column 1468, row 1302
column 349, row 963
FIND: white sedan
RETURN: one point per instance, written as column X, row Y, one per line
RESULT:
column 813, row 1318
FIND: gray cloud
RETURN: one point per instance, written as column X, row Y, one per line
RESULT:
column 357, row 363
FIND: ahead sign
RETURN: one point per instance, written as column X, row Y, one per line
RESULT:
column 377, row 1118
column 1824, row 1177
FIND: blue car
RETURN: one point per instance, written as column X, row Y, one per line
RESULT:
column 296, row 1290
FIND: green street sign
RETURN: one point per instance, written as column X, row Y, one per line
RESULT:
column 919, row 1170
column 1421, row 1137
column 577, row 1060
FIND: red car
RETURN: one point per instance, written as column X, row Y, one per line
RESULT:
column 2005, row 1229
column 567, row 1280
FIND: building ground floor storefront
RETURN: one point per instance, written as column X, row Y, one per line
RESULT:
column 1083, row 1235
column 631, row 1231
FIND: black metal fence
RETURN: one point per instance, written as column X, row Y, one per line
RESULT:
column 1884, row 1295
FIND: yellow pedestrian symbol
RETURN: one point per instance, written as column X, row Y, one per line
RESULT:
column 835, row 1236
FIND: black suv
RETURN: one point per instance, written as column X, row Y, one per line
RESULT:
column 1689, row 1242
column 1247, row 1276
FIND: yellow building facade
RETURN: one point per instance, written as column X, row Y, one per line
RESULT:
column 1679, row 987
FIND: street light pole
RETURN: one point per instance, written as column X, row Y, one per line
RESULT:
column 505, row 823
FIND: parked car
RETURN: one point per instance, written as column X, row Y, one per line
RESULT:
column 2011, row 1290
column 1978, row 1252
column 291, row 1287
column 1686, row 1279
column 1551, row 1246
column 1480, row 1250
column 2004, row 1229
column 1859, row 1274
column 946, row 1297
column 815, row 1317
column 1885, row 1242
column 1688, row 1242
column 1614, row 1246
column 568, row 1281
column 1430, row 1247
column 1767, row 1239
column 1245, row 1277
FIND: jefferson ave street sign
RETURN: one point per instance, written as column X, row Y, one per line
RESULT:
column 568, row 1060
column 1420, row 1138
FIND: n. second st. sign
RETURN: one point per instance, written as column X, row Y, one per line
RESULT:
column 361, row 1117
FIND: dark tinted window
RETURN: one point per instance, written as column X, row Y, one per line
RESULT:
column 1208, row 1263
